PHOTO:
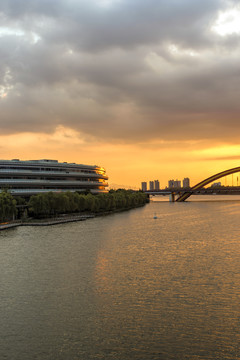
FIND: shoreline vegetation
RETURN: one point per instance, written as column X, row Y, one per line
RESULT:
column 58, row 208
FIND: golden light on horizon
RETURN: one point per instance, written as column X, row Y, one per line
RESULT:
column 125, row 164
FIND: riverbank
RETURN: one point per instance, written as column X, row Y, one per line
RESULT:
column 58, row 220
column 45, row 222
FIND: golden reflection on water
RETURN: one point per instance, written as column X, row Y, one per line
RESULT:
column 177, row 278
column 126, row 286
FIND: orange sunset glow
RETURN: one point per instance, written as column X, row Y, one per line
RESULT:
column 147, row 91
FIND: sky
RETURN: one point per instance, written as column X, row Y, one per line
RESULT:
column 147, row 89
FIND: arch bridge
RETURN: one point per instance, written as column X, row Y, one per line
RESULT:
column 207, row 181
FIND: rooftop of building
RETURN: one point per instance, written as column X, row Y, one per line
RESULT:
column 47, row 161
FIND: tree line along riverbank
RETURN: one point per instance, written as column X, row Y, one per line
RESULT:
column 51, row 204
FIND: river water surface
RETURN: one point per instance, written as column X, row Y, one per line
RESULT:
column 125, row 286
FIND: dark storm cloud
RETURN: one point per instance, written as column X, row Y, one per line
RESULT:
column 130, row 69
column 87, row 25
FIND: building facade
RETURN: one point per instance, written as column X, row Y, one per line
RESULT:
column 177, row 184
column 186, row 183
column 156, row 185
column 151, row 185
column 170, row 184
column 26, row 178
column 144, row 186
column 174, row 184
column 216, row 184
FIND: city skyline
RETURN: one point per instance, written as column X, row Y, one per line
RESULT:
column 137, row 87
column 226, row 181
column 154, row 185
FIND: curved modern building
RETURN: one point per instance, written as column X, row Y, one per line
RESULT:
column 26, row 178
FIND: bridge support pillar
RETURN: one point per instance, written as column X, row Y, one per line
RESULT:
column 172, row 197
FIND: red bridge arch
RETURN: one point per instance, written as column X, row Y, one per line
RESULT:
column 207, row 181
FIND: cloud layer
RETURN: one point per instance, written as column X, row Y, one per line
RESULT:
column 120, row 70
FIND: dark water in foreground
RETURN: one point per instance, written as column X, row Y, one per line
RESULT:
column 125, row 286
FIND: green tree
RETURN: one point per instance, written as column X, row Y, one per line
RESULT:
column 8, row 208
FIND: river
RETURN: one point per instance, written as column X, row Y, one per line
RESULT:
column 125, row 286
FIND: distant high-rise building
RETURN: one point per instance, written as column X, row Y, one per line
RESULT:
column 186, row 183
column 177, row 184
column 216, row 184
column 144, row 186
column 156, row 185
column 171, row 184
column 151, row 185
